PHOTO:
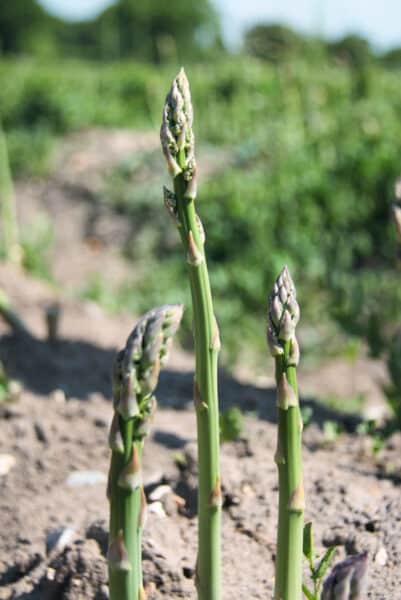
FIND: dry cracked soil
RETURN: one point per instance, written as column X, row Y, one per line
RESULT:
column 53, row 439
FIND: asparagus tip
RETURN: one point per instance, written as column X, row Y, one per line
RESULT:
column 176, row 134
column 283, row 313
column 347, row 579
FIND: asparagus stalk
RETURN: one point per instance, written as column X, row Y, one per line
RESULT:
column 177, row 140
column 11, row 246
column 135, row 377
column 283, row 318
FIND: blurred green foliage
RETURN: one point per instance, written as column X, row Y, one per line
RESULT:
column 295, row 167
column 231, row 424
column 36, row 243
column 353, row 50
column 273, row 42
column 392, row 58
column 148, row 30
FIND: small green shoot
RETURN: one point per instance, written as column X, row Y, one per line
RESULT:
column 318, row 566
column 378, row 437
column 331, row 431
column 36, row 243
column 231, row 424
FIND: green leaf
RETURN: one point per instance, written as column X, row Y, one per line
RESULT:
column 308, row 593
column 324, row 564
column 308, row 541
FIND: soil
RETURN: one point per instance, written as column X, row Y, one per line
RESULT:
column 55, row 430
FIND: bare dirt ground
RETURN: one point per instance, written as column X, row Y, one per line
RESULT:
column 56, row 432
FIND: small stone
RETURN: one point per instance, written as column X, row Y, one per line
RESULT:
column 381, row 557
column 58, row 397
column 59, row 538
column 14, row 390
column 7, row 461
column 159, row 492
column 157, row 509
column 82, row 478
column 50, row 574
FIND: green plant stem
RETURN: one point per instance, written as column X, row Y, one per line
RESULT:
column 207, row 411
column 291, row 502
column 282, row 527
column 124, row 516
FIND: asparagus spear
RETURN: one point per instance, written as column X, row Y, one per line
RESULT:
column 347, row 581
column 178, row 145
column 135, row 377
column 283, row 318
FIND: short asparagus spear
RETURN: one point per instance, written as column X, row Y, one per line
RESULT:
column 177, row 140
column 283, row 318
column 135, row 377
column 347, row 581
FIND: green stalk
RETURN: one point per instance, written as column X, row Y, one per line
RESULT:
column 283, row 318
column 10, row 234
column 178, row 145
column 135, row 377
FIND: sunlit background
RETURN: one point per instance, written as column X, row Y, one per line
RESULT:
column 329, row 18
column 297, row 121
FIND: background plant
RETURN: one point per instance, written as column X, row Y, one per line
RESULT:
column 340, row 183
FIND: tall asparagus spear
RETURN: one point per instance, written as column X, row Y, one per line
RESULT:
column 135, row 377
column 283, row 318
column 177, row 140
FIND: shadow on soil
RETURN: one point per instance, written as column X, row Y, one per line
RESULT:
column 80, row 369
